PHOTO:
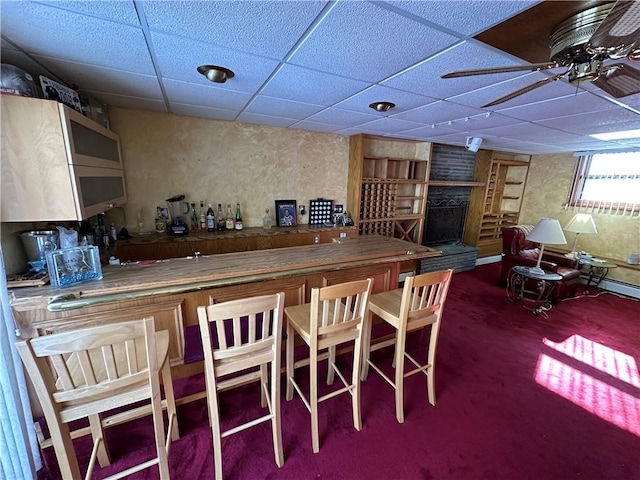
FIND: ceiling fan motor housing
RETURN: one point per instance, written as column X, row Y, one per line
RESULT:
column 569, row 44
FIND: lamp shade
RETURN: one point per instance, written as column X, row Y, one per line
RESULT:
column 581, row 223
column 548, row 230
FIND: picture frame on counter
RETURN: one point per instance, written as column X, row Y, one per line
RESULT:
column 286, row 213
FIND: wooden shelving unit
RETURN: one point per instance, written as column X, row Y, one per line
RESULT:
column 387, row 186
column 497, row 205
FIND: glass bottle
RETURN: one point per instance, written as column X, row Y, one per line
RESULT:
column 195, row 223
column 203, row 217
column 229, row 223
column 211, row 219
column 238, row 217
column 222, row 221
column 266, row 220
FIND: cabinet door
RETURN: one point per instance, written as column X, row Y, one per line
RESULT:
column 98, row 189
column 90, row 144
column 36, row 185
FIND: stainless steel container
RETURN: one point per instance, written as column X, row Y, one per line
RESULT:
column 38, row 242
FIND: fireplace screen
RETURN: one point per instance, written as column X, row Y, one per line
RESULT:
column 444, row 222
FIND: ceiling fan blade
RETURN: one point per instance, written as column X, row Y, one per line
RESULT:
column 523, row 90
column 620, row 30
column 619, row 80
column 534, row 67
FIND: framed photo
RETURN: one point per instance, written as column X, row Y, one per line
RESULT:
column 286, row 213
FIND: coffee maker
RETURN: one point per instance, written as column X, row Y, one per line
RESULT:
column 178, row 208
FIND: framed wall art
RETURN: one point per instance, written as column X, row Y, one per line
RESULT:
column 286, row 213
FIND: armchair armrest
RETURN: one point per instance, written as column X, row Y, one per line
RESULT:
column 560, row 260
column 532, row 262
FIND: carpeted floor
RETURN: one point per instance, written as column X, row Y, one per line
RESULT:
column 519, row 396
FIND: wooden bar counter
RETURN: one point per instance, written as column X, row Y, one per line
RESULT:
column 172, row 289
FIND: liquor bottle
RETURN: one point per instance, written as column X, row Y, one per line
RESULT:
column 203, row 217
column 195, row 222
column 222, row 222
column 266, row 220
column 238, row 217
column 229, row 223
column 211, row 219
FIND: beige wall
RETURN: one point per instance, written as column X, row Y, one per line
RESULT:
column 546, row 194
column 224, row 162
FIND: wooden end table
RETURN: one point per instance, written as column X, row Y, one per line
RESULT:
column 535, row 297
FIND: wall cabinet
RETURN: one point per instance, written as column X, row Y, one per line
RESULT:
column 387, row 186
column 56, row 163
column 496, row 204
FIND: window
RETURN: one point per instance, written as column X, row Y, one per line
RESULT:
column 608, row 181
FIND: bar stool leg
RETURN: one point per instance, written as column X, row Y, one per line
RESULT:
column 96, row 432
column 366, row 346
column 289, row 359
column 313, row 400
column 398, row 359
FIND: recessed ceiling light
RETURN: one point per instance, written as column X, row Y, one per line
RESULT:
column 215, row 73
column 382, row 106
column 617, row 135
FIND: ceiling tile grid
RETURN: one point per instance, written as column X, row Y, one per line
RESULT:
column 318, row 65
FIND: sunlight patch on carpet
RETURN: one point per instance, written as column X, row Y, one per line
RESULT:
column 594, row 395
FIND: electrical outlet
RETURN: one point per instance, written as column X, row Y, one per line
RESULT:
column 343, row 234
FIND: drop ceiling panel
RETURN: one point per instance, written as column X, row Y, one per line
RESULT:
column 342, row 118
column 437, row 112
column 582, row 102
column 105, row 79
column 269, row 120
column 264, row 105
column 122, row 11
column 204, row 112
column 602, row 122
column 310, row 86
column 476, row 15
column 205, row 95
column 316, row 126
column 259, row 27
column 387, row 124
column 122, row 101
column 52, row 32
column 348, row 43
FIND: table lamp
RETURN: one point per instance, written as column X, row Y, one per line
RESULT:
column 548, row 230
column 580, row 223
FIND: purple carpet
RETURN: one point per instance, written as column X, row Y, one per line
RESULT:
column 518, row 397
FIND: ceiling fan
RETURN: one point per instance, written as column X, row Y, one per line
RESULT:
column 582, row 44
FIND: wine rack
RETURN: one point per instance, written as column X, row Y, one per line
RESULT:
column 497, row 204
column 387, row 186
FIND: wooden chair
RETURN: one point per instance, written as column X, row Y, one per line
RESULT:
column 240, row 344
column 85, row 372
column 334, row 316
column 407, row 309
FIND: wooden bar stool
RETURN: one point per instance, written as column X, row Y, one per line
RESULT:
column 407, row 309
column 85, row 372
column 335, row 315
column 246, row 334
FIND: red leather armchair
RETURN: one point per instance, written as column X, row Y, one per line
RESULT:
column 517, row 250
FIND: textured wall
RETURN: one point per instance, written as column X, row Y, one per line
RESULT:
column 546, row 193
column 224, row 162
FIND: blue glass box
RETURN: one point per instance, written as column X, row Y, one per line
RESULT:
column 68, row 266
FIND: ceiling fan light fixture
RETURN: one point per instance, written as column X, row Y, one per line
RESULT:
column 382, row 106
column 215, row 73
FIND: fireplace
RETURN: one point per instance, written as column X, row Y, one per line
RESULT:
column 445, row 219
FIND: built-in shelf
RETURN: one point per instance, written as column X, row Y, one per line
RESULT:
column 448, row 183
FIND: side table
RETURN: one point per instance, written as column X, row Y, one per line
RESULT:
column 595, row 270
column 535, row 293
